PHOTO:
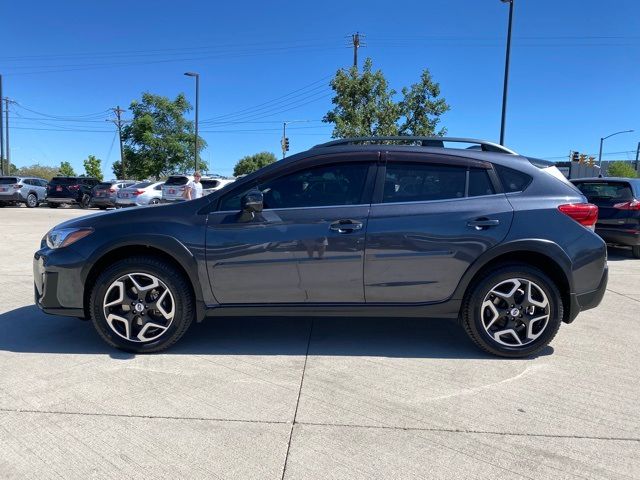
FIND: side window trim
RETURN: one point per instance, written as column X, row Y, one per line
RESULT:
column 433, row 160
column 326, row 160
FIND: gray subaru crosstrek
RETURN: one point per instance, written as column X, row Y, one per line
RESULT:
column 387, row 226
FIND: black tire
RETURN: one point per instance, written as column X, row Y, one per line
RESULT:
column 154, row 201
column 635, row 250
column 2, row 204
column 471, row 313
column 32, row 200
column 53, row 205
column 102, row 208
column 164, row 271
column 85, row 201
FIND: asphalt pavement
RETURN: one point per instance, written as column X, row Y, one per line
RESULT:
column 296, row 398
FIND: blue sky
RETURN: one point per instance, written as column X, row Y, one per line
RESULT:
column 575, row 70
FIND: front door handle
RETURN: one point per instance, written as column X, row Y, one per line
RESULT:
column 345, row 226
column 482, row 223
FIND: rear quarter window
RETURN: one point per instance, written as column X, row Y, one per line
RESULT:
column 512, row 180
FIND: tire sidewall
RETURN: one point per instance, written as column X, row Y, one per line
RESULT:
column 482, row 288
column 168, row 275
column 35, row 202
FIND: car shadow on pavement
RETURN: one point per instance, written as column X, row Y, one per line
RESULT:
column 27, row 329
column 615, row 254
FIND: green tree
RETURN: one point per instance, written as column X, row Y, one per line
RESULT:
column 621, row 169
column 364, row 105
column 92, row 167
column 66, row 170
column 159, row 140
column 254, row 162
column 37, row 170
column 422, row 107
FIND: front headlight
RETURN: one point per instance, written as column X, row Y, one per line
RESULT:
column 63, row 237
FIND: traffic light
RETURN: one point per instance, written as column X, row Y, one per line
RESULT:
column 286, row 144
column 583, row 159
column 575, row 156
column 592, row 161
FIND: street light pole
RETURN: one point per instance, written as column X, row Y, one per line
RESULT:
column 197, row 75
column 602, row 139
column 506, row 72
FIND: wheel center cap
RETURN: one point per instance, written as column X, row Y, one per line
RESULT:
column 514, row 312
column 138, row 307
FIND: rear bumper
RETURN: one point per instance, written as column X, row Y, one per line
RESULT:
column 61, row 200
column 102, row 202
column 588, row 300
column 619, row 236
column 11, row 197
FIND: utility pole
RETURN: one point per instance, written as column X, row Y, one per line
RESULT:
column 356, row 43
column 283, row 143
column 1, row 132
column 506, row 72
column 637, row 155
column 6, row 124
column 118, row 123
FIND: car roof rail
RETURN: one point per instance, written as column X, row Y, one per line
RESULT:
column 437, row 142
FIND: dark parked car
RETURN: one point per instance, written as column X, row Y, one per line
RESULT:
column 618, row 201
column 70, row 190
column 361, row 227
column 104, row 195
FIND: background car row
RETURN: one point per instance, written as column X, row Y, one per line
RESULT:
column 89, row 192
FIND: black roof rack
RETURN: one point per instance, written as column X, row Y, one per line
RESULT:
column 437, row 142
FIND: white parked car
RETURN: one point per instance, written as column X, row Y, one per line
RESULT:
column 173, row 188
column 143, row 193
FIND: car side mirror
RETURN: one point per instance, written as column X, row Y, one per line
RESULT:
column 252, row 202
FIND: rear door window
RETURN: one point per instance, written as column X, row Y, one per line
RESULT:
column 421, row 182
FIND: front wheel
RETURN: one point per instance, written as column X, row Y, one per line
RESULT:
column 513, row 311
column 141, row 304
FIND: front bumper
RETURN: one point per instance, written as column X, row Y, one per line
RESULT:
column 588, row 300
column 58, row 286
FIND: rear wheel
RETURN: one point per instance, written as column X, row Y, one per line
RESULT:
column 636, row 251
column 84, row 201
column 154, row 201
column 513, row 311
column 32, row 201
column 141, row 304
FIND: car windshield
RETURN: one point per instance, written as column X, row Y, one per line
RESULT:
column 63, row 181
column 177, row 180
column 8, row 180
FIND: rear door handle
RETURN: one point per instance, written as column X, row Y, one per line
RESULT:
column 345, row 226
column 482, row 223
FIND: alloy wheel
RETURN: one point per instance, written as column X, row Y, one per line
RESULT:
column 515, row 312
column 139, row 307
column 32, row 200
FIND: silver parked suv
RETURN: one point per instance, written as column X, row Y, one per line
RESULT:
column 28, row 190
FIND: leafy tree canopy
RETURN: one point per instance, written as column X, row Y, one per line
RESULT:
column 159, row 140
column 66, row 170
column 36, row 170
column 364, row 105
column 251, row 163
column 92, row 167
column 621, row 169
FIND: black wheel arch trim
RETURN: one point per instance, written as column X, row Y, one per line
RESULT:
column 166, row 244
column 543, row 247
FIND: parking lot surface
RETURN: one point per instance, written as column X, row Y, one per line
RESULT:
column 295, row 398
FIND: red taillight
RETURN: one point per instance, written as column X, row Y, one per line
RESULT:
column 632, row 205
column 73, row 187
column 138, row 192
column 585, row 214
column 112, row 190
